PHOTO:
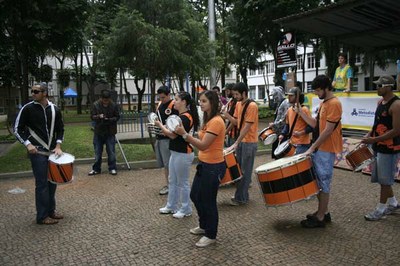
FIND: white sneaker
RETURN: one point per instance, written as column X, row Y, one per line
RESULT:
column 197, row 231
column 166, row 210
column 392, row 209
column 205, row 241
column 113, row 172
column 375, row 215
column 180, row 215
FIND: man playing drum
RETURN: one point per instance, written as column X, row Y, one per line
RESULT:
column 246, row 118
column 385, row 140
column 327, row 142
column 39, row 126
column 296, row 129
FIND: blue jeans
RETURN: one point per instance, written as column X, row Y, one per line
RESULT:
column 302, row 148
column 204, row 195
column 179, row 188
column 384, row 168
column 245, row 153
column 44, row 190
column 98, row 143
column 323, row 163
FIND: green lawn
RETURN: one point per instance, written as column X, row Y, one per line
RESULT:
column 78, row 142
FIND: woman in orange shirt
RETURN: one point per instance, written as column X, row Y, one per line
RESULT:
column 210, row 169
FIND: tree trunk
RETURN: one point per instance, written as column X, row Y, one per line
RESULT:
column 128, row 95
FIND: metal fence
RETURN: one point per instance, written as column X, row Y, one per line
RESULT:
column 132, row 121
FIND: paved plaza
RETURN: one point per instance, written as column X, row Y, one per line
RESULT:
column 114, row 220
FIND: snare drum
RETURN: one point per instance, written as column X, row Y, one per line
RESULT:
column 61, row 168
column 172, row 122
column 233, row 172
column 152, row 117
column 268, row 136
column 359, row 158
column 287, row 180
column 285, row 149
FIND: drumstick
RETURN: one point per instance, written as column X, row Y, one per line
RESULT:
column 297, row 98
column 45, row 153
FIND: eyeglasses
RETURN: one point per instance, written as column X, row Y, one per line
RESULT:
column 36, row 91
column 384, row 85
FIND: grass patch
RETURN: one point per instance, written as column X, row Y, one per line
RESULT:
column 78, row 142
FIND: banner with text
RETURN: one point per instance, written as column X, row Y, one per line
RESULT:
column 358, row 108
column 286, row 51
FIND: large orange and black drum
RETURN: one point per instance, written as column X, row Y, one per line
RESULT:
column 233, row 172
column 61, row 168
column 359, row 158
column 287, row 180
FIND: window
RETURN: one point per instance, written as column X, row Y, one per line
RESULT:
column 358, row 59
column 252, row 72
column 261, row 70
column 270, row 66
column 299, row 62
column 261, row 92
column 252, row 92
column 310, row 60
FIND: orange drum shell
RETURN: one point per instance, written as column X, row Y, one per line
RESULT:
column 60, row 173
column 233, row 172
column 358, row 156
column 293, row 195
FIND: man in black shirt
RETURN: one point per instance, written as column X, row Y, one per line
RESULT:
column 105, row 114
column 165, row 108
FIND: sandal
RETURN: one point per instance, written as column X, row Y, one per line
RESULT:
column 48, row 221
column 56, row 216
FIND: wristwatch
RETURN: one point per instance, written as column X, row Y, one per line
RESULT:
column 184, row 136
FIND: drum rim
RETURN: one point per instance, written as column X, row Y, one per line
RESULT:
column 286, row 142
column 295, row 158
column 60, row 163
column 275, row 137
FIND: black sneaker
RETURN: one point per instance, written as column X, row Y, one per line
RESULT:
column 313, row 222
column 327, row 217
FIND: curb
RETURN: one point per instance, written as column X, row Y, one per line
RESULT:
column 121, row 166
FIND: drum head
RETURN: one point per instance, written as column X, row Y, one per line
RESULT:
column 282, row 147
column 152, row 117
column 270, row 139
column 65, row 158
column 172, row 122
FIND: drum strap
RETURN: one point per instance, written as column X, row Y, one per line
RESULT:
column 243, row 114
column 37, row 138
column 292, row 127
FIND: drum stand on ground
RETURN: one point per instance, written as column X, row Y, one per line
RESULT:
column 123, row 153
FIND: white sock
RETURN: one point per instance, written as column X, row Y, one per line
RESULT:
column 381, row 207
column 392, row 201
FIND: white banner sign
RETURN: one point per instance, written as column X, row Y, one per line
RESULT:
column 358, row 108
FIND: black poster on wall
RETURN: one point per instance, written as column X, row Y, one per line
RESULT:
column 286, row 51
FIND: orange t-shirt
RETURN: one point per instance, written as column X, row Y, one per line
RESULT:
column 251, row 116
column 331, row 111
column 214, row 153
column 299, row 126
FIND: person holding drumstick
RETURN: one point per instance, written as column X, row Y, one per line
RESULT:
column 39, row 126
column 246, row 118
column 385, row 140
column 210, row 169
column 327, row 141
column 296, row 129
column 181, row 159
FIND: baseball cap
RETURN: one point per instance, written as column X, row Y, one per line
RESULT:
column 385, row 80
column 293, row 91
column 105, row 94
